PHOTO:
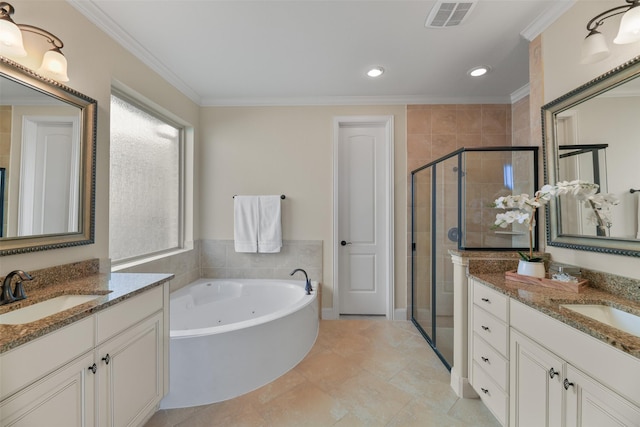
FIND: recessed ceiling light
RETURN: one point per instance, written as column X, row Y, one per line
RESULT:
column 375, row 72
column 478, row 71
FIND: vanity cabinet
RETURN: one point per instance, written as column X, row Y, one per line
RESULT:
column 65, row 398
column 130, row 377
column 489, row 348
column 552, row 387
column 537, row 396
column 108, row 369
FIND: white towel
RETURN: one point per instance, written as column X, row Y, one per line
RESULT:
column 245, row 221
column 270, row 224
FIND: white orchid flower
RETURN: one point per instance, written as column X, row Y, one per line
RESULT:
column 523, row 207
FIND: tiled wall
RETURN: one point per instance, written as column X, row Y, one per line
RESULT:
column 185, row 266
column 220, row 260
column 434, row 131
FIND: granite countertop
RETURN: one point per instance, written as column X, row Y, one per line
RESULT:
column 549, row 300
column 114, row 287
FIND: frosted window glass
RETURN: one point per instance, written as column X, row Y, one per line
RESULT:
column 144, row 200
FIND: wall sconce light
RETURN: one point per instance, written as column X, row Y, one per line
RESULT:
column 594, row 46
column 54, row 64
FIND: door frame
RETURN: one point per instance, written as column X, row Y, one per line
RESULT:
column 387, row 123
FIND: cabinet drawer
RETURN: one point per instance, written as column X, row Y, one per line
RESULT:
column 29, row 362
column 493, row 363
column 491, row 330
column 492, row 301
column 493, row 397
column 127, row 313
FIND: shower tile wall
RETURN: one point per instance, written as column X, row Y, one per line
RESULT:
column 436, row 130
column 220, row 260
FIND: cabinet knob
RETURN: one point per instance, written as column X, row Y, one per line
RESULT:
column 486, row 300
column 93, row 368
column 484, row 359
column 553, row 373
column 106, row 359
column 567, row 384
column 486, row 328
column 484, row 390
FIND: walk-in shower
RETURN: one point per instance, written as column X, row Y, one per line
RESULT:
column 451, row 208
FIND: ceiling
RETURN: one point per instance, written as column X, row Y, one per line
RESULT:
column 315, row 52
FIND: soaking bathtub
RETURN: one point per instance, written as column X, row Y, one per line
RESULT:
column 231, row 336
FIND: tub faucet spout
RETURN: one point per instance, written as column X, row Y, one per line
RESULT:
column 307, row 286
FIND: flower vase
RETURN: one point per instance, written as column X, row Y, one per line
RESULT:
column 533, row 269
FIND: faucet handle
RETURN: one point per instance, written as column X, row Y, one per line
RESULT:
column 6, row 297
column 18, row 292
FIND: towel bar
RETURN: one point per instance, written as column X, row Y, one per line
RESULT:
column 282, row 196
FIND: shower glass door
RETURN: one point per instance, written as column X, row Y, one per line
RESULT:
column 435, row 222
column 452, row 210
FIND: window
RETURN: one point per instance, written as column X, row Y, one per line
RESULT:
column 146, row 184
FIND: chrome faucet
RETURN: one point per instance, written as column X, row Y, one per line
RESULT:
column 307, row 286
column 18, row 293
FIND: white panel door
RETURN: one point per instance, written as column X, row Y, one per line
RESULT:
column 50, row 167
column 362, row 218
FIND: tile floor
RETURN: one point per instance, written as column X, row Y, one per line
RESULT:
column 360, row 372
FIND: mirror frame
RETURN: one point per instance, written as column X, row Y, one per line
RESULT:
column 88, row 116
column 615, row 77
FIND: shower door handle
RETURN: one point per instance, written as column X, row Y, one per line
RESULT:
column 345, row 243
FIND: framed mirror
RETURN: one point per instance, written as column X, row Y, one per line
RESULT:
column 47, row 153
column 593, row 134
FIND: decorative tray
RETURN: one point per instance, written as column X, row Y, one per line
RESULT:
column 547, row 282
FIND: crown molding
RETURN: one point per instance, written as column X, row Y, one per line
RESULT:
column 94, row 14
column 518, row 94
column 349, row 100
column 546, row 18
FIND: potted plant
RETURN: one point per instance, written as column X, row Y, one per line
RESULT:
column 522, row 208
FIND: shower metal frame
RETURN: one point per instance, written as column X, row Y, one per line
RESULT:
column 459, row 152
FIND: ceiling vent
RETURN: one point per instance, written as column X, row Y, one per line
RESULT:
column 449, row 14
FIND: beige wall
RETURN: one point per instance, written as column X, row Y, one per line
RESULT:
column 95, row 60
column 557, row 63
column 289, row 150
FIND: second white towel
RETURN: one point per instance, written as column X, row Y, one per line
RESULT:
column 270, row 224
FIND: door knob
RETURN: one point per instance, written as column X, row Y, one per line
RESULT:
column 345, row 243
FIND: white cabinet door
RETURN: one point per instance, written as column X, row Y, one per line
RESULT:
column 130, row 376
column 536, row 384
column 64, row 398
column 590, row 404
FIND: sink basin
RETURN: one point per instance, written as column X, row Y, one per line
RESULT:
column 43, row 309
column 614, row 317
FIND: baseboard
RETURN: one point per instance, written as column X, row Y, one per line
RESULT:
column 328, row 314
column 400, row 314
column 461, row 386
